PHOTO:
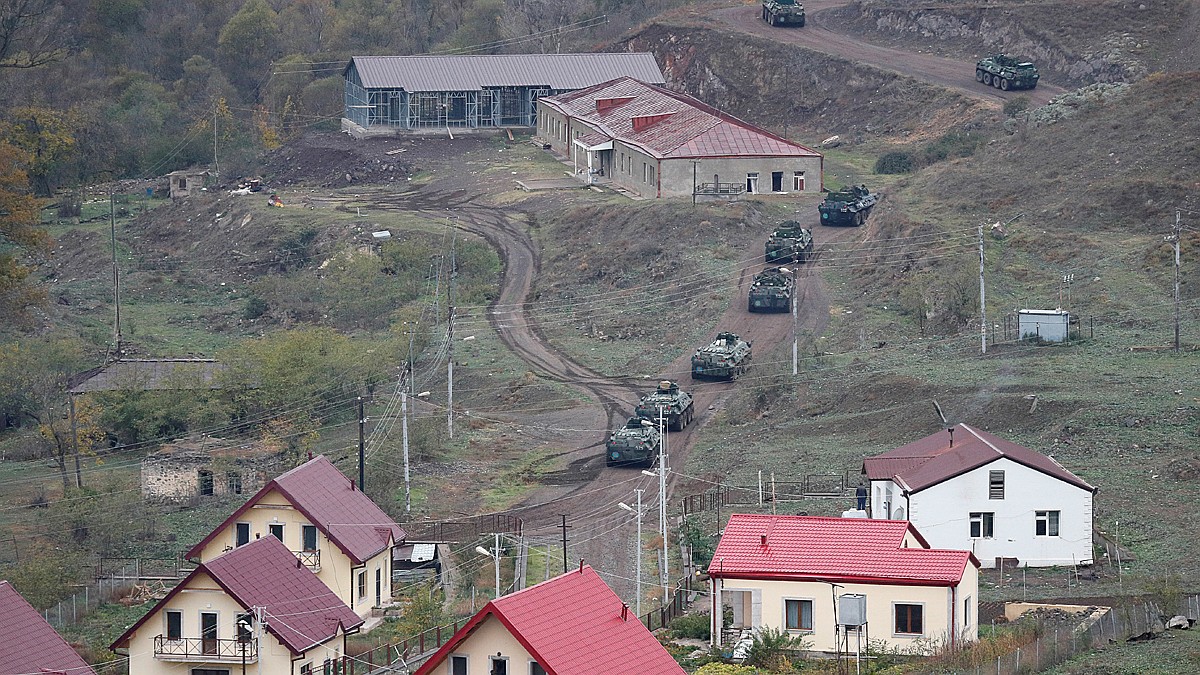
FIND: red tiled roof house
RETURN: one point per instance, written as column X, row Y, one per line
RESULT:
column 968, row 489
column 28, row 644
column 327, row 522
column 572, row 624
column 255, row 605
column 661, row 143
column 802, row 574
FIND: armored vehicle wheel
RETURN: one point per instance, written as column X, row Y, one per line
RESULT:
column 1004, row 84
column 979, row 75
column 774, row 20
column 987, row 79
column 801, row 24
column 996, row 81
column 764, row 13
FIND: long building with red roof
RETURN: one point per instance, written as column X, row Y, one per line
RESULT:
column 813, row 576
column 656, row 142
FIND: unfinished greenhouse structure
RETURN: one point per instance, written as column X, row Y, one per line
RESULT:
column 392, row 94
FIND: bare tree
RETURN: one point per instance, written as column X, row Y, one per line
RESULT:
column 28, row 33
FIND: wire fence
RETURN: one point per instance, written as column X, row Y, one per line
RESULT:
column 114, row 578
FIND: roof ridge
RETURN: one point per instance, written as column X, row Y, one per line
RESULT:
column 976, row 434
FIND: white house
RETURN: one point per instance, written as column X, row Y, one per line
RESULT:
column 967, row 489
column 813, row 577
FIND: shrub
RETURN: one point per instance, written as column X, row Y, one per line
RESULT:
column 951, row 145
column 770, row 646
column 255, row 308
column 895, row 162
column 695, row 626
column 1016, row 105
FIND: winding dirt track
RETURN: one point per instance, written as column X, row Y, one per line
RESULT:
column 822, row 35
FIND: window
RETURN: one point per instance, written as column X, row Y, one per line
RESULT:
column 458, row 665
column 752, row 182
column 234, row 481
column 182, row 183
column 797, row 181
column 652, row 176
column 645, row 173
column 309, row 535
column 536, row 668
column 306, row 669
column 798, row 614
column 174, row 625
column 242, row 534
column 499, row 666
column 909, row 619
column 995, row 485
column 983, row 525
column 967, row 611
column 362, row 586
column 210, row 671
column 276, row 530
column 776, row 181
column 208, row 632
column 1046, row 523
column 206, row 482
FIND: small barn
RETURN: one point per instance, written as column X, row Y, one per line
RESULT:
column 1047, row 325
column 387, row 94
column 203, row 467
column 184, row 183
column 649, row 140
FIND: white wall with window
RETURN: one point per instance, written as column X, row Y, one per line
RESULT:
column 1003, row 509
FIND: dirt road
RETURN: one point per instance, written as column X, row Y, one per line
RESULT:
column 823, row 36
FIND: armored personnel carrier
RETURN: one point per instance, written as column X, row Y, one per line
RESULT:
column 677, row 407
column 634, row 443
column 849, row 206
column 771, row 291
column 789, row 242
column 783, row 12
column 726, row 358
column 1005, row 72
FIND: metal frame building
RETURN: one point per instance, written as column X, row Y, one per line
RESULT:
column 395, row 93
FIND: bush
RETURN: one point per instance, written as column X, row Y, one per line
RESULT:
column 770, row 646
column 1016, row 105
column 255, row 308
column 697, row 626
column 896, row 162
column 951, row 145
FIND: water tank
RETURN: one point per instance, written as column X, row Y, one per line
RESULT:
column 852, row 609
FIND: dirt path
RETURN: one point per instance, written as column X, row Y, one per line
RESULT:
column 823, row 36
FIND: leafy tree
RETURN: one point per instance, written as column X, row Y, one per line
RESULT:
column 307, row 23
column 480, row 26
column 30, row 33
column 18, row 231
column 46, row 574
column 48, row 137
column 247, row 46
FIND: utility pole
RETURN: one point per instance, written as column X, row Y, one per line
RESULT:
column 75, row 440
column 1175, row 236
column 662, row 501
column 362, row 446
column 497, row 552
column 982, row 303
column 112, row 223
column 450, row 343
column 564, row 527
column 216, row 167
column 637, row 574
column 405, row 390
column 795, row 320
column 695, row 168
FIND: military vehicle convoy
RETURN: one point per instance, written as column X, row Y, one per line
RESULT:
column 726, row 358
column 771, row 291
column 1005, row 72
column 783, row 13
column 789, row 242
column 634, row 443
column 849, row 206
column 676, row 406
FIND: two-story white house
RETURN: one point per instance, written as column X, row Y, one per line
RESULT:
column 968, row 489
column 322, row 517
column 801, row 574
column 254, row 609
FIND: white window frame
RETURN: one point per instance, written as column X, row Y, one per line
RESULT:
column 987, row 524
column 249, row 531
column 282, row 530
column 360, row 585
column 797, row 181
column 450, row 663
column 1049, row 517
column 992, row 475
column 167, row 625
column 812, row 607
column 923, row 632
column 492, row 664
column 532, row 664
column 752, row 181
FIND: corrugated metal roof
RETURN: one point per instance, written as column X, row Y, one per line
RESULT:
column 831, row 549
column 472, row 73
column 686, row 126
column 149, row 374
column 572, row 625
column 934, row 459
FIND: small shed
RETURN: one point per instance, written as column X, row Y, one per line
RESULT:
column 1047, row 325
column 415, row 559
column 183, row 183
column 202, row 467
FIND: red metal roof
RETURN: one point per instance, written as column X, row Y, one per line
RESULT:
column 329, row 500
column 685, row 127
column 301, row 611
column 28, row 644
column 571, row 625
column 935, row 458
column 832, row 549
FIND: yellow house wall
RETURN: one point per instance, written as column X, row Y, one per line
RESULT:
column 337, row 571
column 203, row 595
column 880, row 601
column 490, row 638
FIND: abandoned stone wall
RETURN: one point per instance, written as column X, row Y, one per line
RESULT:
column 172, row 478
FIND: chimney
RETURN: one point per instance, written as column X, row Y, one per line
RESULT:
column 581, row 565
column 297, row 563
column 624, row 611
column 763, row 541
column 643, row 122
column 951, row 431
column 352, row 488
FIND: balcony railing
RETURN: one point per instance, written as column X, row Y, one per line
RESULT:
column 312, row 559
column 205, row 649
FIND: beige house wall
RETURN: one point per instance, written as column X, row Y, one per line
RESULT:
column 336, row 569
column 489, row 639
column 759, row 603
column 203, row 595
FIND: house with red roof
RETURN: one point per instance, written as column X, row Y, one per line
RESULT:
column 29, row 644
column 656, row 142
column 835, row 581
column 329, row 524
column 968, row 489
column 572, row 624
column 254, row 606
